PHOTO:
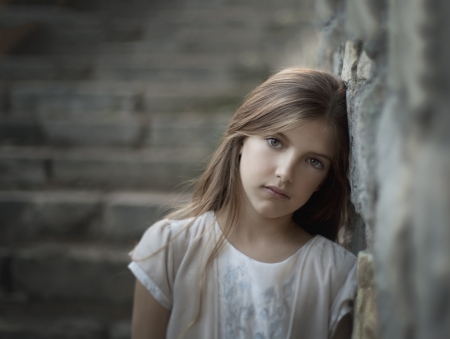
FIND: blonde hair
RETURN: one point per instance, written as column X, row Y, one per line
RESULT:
column 286, row 100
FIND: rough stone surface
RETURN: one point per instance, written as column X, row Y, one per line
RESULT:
column 365, row 321
column 365, row 67
column 398, row 99
column 350, row 61
column 363, row 18
column 326, row 9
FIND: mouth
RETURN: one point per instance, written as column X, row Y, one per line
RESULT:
column 277, row 192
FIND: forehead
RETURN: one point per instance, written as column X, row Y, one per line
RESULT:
column 316, row 136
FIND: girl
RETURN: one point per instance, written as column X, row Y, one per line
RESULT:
column 253, row 255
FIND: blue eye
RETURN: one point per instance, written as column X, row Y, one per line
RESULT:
column 315, row 163
column 275, row 143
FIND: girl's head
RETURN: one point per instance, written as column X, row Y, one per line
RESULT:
column 291, row 99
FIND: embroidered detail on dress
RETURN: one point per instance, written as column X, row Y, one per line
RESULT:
column 234, row 282
column 271, row 311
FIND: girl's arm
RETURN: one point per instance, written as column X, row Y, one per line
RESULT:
column 150, row 319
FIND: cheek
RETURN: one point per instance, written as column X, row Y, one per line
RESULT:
column 310, row 182
column 255, row 161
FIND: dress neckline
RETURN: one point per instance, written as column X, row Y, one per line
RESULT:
column 305, row 245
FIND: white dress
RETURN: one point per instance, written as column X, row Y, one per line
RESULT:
column 304, row 296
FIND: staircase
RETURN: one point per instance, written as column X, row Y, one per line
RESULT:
column 106, row 108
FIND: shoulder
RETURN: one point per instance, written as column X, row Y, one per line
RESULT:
column 176, row 232
column 332, row 256
column 329, row 248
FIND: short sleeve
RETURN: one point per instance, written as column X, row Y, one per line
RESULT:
column 153, row 262
column 343, row 302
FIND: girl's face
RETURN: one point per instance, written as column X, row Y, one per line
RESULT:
column 280, row 172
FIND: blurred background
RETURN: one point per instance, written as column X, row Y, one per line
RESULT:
column 106, row 107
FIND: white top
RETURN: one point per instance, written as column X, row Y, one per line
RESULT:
column 304, row 296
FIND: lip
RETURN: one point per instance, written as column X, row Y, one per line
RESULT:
column 277, row 192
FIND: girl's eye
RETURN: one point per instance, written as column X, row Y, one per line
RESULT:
column 315, row 163
column 275, row 143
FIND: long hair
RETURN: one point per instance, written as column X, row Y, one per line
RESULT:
column 284, row 101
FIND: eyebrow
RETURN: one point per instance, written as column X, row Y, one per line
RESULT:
column 281, row 135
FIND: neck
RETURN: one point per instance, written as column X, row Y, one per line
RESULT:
column 263, row 239
column 253, row 227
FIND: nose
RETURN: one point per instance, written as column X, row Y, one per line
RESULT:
column 286, row 168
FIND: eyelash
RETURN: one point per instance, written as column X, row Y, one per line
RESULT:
column 319, row 164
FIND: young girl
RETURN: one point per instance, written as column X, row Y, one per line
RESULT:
column 253, row 255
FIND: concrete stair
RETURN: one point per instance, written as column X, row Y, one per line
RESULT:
column 134, row 131
column 106, row 109
column 63, row 100
column 91, row 216
column 50, row 168
column 63, row 258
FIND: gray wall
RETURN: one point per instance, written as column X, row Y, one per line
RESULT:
column 394, row 56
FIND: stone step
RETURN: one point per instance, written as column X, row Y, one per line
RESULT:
column 44, row 68
column 137, row 130
column 195, row 67
column 72, row 272
column 43, row 326
column 73, row 4
column 225, row 34
column 142, row 71
column 104, row 25
column 191, row 41
column 105, row 169
column 26, row 132
column 88, row 216
column 58, row 31
column 21, row 317
column 153, row 67
column 240, row 15
column 62, row 30
column 176, row 61
column 118, row 98
column 12, row 16
column 257, row 4
column 26, row 98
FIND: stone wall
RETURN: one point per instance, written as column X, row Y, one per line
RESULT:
column 393, row 55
